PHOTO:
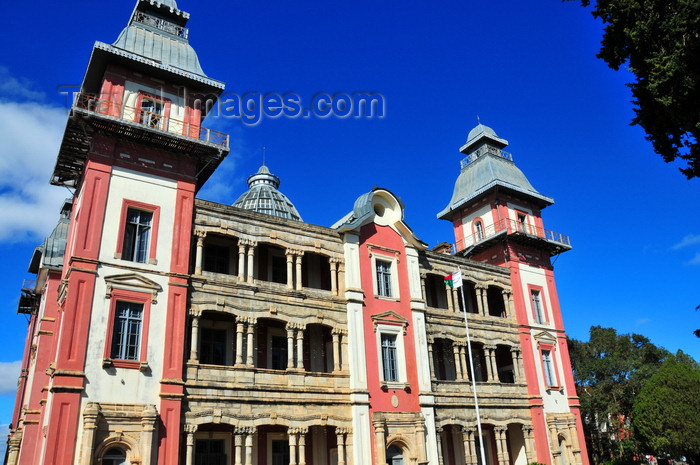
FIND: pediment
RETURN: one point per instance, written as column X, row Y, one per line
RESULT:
column 389, row 318
column 132, row 282
column 545, row 337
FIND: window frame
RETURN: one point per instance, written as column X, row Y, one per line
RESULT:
column 138, row 113
column 128, row 204
column 553, row 373
column 393, row 276
column 478, row 229
column 398, row 332
column 543, row 305
column 144, row 299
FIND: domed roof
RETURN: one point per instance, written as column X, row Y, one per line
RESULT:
column 481, row 134
column 262, row 196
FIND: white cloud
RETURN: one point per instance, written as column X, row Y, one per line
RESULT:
column 17, row 88
column 690, row 239
column 696, row 260
column 9, row 372
column 30, row 133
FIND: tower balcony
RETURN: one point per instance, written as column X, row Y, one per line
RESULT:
column 554, row 242
column 90, row 114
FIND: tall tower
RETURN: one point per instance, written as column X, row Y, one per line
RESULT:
column 110, row 332
column 497, row 219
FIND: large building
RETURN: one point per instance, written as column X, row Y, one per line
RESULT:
column 165, row 329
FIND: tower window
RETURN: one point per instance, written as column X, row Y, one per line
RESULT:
column 537, row 307
column 479, row 228
column 114, row 456
column 152, row 112
column 137, row 233
column 126, row 337
column 522, row 222
column 383, row 278
column 549, row 376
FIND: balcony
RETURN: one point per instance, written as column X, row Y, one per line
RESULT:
column 91, row 115
column 28, row 299
column 554, row 242
column 147, row 119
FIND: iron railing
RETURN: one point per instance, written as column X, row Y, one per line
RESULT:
column 509, row 226
column 155, row 120
column 483, row 151
column 161, row 24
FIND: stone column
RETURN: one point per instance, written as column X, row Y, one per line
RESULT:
column 237, row 447
column 458, row 362
column 455, row 298
column 300, row 347
column 344, row 350
column 498, row 433
column 480, row 302
column 298, row 270
column 506, row 305
column 463, row 361
column 251, row 262
column 189, row 454
column 241, row 260
column 529, row 446
column 336, row 349
column 249, row 445
column 194, row 340
column 292, row 435
column 239, row 342
column 422, row 287
column 198, row 256
column 448, row 296
column 488, row 350
column 504, row 445
column 420, row 442
column 148, row 425
column 511, row 306
column 491, row 362
column 302, row 446
column 575, row 446
column 379, row 442
column 334, row 275
column 514, row 352
column 340, row 436
column 290, row 345
column 290, row 271
column 553, row 443
column 438, row 436
column 250, row 361
column 431, row 341
column 470, row 446
column 90, row 414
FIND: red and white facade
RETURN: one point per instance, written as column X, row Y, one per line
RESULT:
column 172, row 330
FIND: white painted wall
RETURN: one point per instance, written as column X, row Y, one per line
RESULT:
column 177, row 104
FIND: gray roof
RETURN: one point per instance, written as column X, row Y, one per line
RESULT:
column 51, row 253
column 488, row 168
column 262, row 196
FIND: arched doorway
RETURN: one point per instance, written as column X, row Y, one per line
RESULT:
column 394, row 455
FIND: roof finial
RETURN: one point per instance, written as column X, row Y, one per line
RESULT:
column 478, row 120
column 264, row 150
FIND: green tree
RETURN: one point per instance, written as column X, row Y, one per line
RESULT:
column 659, row 41
column 609, row 370
column 666, row 414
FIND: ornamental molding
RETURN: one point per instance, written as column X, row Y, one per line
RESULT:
column 390, row 318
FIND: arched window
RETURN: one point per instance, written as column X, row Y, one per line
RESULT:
column 394, row 456
column 479, row 228
column 562, row 450
column 114, row 456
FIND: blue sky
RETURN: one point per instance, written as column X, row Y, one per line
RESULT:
column 527, row 69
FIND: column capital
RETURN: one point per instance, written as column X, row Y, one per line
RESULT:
column 190, row 428
column 200, row 233
column 490, row 346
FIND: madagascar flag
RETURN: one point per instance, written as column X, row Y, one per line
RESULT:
column 454, row 279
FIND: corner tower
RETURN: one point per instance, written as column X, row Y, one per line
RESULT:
column 135, row 153
column 496, row 214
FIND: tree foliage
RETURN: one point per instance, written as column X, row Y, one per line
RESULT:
column 666, row 414
column 659, row 41
column 609, row 371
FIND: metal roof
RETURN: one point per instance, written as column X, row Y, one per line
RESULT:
column 262, row 196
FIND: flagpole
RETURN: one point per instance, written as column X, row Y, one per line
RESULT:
column 471, row 369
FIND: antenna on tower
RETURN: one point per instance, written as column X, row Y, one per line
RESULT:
column 264, row 150
column 478, row 120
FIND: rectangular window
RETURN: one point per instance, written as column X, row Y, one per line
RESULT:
column 212, row 349
column 537, row 307
column 522, row 225
column 126, row 335
column 548, row 367
column 278, row 352
column 216, row 258
column 137, row 234
column 389, row 358
column 383, row 278
column 210, row 452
